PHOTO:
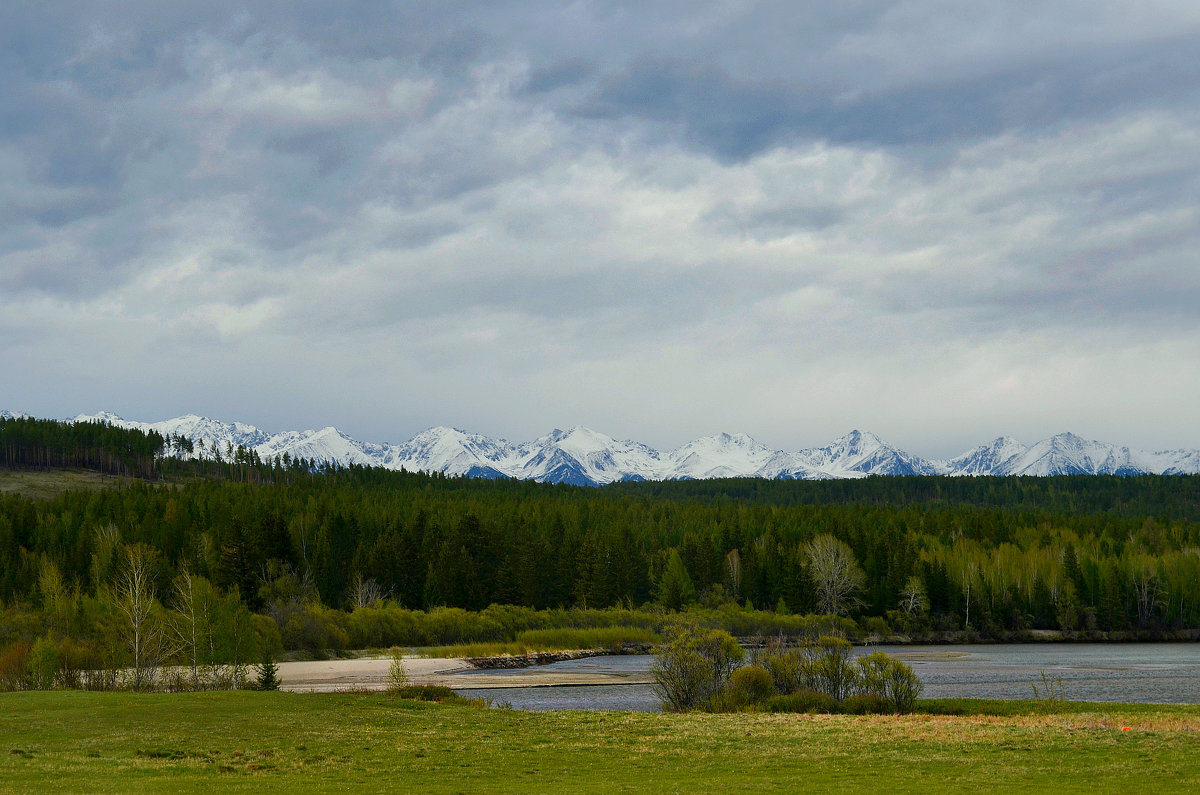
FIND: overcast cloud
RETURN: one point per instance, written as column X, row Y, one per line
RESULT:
column 937, row 221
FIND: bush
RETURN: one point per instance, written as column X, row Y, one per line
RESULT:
column 310, row 626
column 725, row 701
column 43, row 663
column 78, row 661
column 865, row 704
column 694, row 664
column 398, row 678
column 442, row 695
column 14, row 667
column 803, row 701
column 874, row 626
column 752, row 684
column 890, row 680
column 785, row 666
column 834, row 673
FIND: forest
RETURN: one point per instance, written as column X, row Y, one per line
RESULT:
column 318, row 556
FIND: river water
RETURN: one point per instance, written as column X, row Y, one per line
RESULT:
column 1162, row 673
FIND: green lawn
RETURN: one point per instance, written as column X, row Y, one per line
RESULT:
column 255, row 742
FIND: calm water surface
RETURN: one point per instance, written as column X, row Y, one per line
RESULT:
column 1161, row 673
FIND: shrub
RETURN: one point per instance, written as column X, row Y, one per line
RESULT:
column 804, row 701
column 725, row 701
column 889, row 679
column 43, row 663
column 751, row 684
column 874, row 626
column 14, row 667
column 865, row 704
column 77, row 660
column 398, row 678
column 834, row 673
column 310, row 626
column 442, row 695
column 785, row 666
column 693, row 664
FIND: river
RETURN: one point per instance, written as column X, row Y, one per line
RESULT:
column 1163, row 673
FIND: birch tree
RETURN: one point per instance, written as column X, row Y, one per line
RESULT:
column 835, row 572
column 191, row 624
column 133, row 596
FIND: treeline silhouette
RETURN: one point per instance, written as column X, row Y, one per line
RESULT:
column 27, row 443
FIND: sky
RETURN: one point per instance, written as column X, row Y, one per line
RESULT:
column 938, row 221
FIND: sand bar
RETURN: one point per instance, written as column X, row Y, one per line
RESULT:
column 370, row 673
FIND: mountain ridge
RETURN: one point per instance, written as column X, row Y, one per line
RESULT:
column 582, row 456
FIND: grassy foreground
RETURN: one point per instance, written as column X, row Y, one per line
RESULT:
column 257, row 742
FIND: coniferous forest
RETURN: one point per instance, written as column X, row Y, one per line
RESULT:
column 295, row 554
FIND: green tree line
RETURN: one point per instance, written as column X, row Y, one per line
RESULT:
column 27, row 443
column 351, row 536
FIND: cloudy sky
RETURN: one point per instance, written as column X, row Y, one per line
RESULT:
column 939, row 221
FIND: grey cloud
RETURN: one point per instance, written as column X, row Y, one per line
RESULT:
column 565, row 194
column 736, row 118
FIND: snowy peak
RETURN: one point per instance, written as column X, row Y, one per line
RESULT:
column 582, row 456
column 451, row 451
column 1068, row 454
column 103, row 416
column 994, row 458
column 578, row 440
column 724, row 455
column 859, row 453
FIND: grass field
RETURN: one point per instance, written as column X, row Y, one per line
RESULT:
column 45, row 484
column 260, row 742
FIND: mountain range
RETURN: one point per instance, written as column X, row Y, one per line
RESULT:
column 582, row 456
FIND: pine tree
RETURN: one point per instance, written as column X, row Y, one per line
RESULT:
column 268, row 672
column 675, row 589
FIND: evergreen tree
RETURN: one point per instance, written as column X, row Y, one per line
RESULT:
column 675, row 589
column 267, row 672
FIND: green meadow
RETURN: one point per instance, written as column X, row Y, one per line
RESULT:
column 261, row 742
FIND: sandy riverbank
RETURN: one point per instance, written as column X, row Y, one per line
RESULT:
column 370, row 673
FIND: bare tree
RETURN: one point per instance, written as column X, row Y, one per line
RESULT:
column 133, row 595
column 835, row 572
column 365, row 592
column 733, row 572
column 1147, row 586
column 914, row 600
column 191, row 625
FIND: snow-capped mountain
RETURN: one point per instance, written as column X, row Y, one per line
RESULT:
column 582, row 456
column 213, row 434
column 453, row 452
column 857, row 454
column 726, row 455
column 994, row 458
